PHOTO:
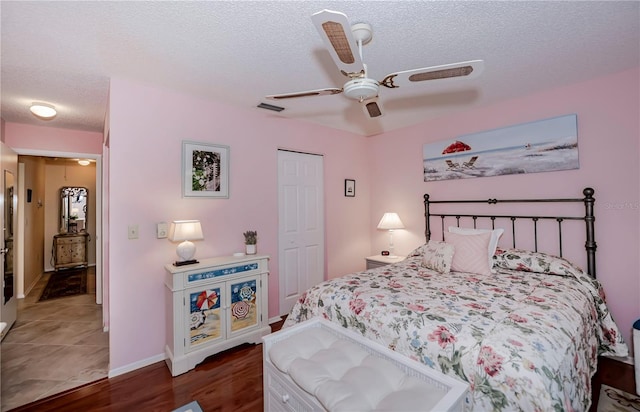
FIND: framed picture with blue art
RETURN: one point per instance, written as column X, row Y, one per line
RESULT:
column 539, row 146
column 205, row 170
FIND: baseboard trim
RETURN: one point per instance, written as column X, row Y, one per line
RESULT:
column 136, row 365
column 275, row 319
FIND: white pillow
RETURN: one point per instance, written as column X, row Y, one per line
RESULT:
column 493, row 243
column 470, row 252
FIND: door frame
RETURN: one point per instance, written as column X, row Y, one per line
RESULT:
column 98, row 214
column 9, row 161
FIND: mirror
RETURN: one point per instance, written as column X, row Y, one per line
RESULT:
column 73, row 209
column 8, row 235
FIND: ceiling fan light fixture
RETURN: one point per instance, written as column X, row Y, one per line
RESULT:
column 43, row 110
column 361, row 89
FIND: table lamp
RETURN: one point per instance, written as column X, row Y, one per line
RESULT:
column 185, row 231
column 390, row 222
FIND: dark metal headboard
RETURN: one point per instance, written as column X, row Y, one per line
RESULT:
column 588, row 218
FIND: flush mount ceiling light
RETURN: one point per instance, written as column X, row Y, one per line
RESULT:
column 43, row 110
column 84, row 162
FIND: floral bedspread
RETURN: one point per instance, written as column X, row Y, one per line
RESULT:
column 522, row 340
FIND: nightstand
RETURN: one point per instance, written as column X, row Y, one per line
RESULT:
column 378, row 260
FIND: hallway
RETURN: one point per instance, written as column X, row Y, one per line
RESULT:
column 54, row 345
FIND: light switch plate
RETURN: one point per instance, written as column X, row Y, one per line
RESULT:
column 132, row 231
column 162, row 230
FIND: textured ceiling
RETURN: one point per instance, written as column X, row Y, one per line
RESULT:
column 237, row 52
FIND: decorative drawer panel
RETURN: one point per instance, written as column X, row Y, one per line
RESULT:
column 195, row 277
column 214, row 269
column 71, row 240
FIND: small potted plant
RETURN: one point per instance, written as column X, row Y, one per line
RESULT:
column 250, row 240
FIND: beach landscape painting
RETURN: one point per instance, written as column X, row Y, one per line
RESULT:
column 539, row 146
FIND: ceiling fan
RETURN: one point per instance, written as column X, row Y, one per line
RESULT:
column 344, row 42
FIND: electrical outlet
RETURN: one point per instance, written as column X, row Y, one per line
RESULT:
column 132, row 231
column 162, row 230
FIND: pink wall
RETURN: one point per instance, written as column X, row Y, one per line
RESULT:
column 142, row 169
column 608, row 138
column 147, row 127
column 44, row 138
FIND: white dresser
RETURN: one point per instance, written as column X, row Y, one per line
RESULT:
column 214, row 305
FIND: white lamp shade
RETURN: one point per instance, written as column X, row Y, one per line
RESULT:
column 390, row 221
column 185, row 230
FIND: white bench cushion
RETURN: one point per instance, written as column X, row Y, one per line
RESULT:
column 345, row 377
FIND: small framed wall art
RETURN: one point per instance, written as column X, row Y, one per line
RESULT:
column 349, row 187
column 205, row 170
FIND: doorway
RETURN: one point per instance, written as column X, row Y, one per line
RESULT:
column 59, row 343
column 300, row 224
column 60, row 172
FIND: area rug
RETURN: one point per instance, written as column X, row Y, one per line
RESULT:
column 63, row 283
column 190, row 407
column 615, row 400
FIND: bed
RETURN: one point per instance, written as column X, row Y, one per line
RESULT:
column 525, row 334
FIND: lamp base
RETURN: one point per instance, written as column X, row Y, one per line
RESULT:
column 185, row 262
column 186, row 251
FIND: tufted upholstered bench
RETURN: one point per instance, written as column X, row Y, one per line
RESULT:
column 317, row 365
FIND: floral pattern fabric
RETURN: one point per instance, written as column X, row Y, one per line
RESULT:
column 527, row 261
column 522, row 340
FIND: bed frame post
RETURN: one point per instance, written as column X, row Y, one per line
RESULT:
column 427, row 230
column 589, row 218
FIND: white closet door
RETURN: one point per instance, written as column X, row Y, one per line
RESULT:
column 301, row 225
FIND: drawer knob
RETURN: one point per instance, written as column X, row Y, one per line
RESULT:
column 285, row 398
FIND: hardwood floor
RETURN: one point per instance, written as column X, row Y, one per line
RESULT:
column 613, row 373
column 228, row 381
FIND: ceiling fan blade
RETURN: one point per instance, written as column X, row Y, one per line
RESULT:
column 318, row 92
column 372, row 108
column 468, row 70
column 335, row 30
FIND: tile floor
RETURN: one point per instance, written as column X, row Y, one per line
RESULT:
column 54, row 345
